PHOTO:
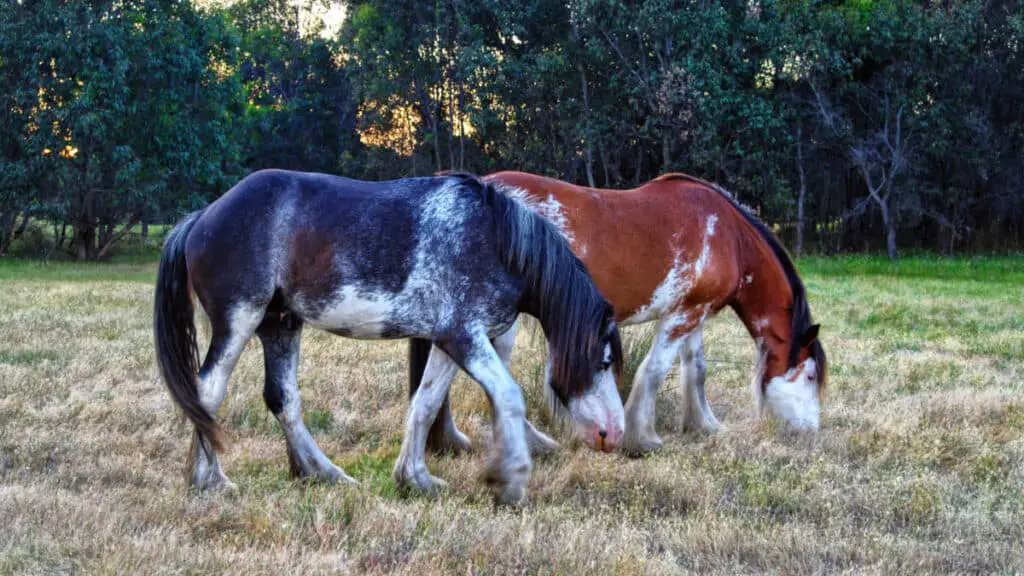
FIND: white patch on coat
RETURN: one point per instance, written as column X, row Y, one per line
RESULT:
column 363, row 313
column 553, row 211
column 359, row 315
column 549, row 208
column 676, row 284
column 705, row 252
column 793, row 398
column 678, row 281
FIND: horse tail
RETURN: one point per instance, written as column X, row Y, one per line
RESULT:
column 174, row 330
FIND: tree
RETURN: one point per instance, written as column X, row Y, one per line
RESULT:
column 146, row 118
column 301, row 108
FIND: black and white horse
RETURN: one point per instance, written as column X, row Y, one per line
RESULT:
column 446, row 259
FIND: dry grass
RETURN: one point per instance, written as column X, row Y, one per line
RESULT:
column 919, row 467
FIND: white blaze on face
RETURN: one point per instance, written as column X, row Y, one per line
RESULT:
column 793, row 397
column 598, row 409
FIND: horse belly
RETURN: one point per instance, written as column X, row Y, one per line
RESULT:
column 359, row 314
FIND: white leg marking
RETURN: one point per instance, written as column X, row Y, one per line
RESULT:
column 540, row 443
column 509, row 469
column 213, row 387
column 696, row 413
column 641, row 437
column 411, row 467
column 503, row 344
column 305, row 457
column 241, row 326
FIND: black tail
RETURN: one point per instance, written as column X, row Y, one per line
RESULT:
column 175, row 333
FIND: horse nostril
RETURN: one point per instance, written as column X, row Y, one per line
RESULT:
column 603, row 433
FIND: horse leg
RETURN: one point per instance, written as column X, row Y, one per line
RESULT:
column 640, row 437
column 697, row 414
column 508, row 470
column 411, row 467
column 540, row 443
column 230, row 332
column 280, row 336
column 443, row 436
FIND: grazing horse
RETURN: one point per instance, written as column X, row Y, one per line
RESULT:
column 447, row 259
column 676, row 251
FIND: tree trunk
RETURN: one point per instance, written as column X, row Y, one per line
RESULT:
column 666, row 152
column 85, row 241
column 145, row 230
column 890, row 231
column 603, row 153
column 462, row 130
column 638, row 167
column 589, row 158
column 85, row 229
column 437, row 145
column 7, row 221
column 798, row 245
column 113, row 237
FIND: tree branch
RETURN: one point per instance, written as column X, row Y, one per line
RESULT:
column 115, row 237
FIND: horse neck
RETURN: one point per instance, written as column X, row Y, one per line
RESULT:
column 764, row 300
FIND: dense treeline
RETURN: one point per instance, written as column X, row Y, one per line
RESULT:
column 849, row 124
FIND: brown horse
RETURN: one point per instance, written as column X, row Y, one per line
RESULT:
column 676, row 251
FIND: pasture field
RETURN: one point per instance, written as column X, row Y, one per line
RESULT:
column 919, row 466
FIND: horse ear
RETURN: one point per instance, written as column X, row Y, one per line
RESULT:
column 810, row 335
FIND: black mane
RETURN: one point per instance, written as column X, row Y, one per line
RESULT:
column 802, row 319
column 559, row 292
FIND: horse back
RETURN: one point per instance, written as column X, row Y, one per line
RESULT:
column 363, row 259
column 650, row 249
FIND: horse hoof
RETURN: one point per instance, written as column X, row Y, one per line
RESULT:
column 639, row 447
column 426, row 484
column 418, row 481
column 702, row 425
column 215, row 481
column 508, row 484
column 332, row 475
column 510, row 495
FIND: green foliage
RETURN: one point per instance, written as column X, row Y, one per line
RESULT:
column 858, row 124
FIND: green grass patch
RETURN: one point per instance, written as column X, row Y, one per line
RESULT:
column 982, row 269
column 318, row 420
column 373, row 470
column 122, row 269
column 29, row 357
